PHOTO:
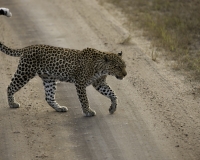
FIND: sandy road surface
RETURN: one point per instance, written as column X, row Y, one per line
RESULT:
column 157, row 116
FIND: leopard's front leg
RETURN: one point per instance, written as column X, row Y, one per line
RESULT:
column 102, row 87
column 50, row 88
column 81, row 91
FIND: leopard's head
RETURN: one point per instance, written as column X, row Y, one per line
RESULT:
column 115, row 65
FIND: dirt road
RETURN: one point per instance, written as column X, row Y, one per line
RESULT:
column 157, row 116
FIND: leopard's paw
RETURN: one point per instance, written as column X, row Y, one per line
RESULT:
column 14, row 105
column 112, row 109
column 89, row 113
column 61, row 109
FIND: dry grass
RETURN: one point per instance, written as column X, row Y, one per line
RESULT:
column 172, row 24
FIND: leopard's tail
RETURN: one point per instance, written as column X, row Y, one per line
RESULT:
column 9, row 51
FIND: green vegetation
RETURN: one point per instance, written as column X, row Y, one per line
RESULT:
column 172, row 24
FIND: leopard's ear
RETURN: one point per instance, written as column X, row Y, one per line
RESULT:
column 120, row 54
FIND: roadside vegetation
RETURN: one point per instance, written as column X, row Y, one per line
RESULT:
column 171, row 24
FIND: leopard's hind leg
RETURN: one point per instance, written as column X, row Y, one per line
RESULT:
column 18, row 81
column 50, row 88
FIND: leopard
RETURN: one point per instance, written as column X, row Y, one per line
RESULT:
column 84, row 67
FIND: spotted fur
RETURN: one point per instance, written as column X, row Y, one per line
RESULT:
column 81, row 67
